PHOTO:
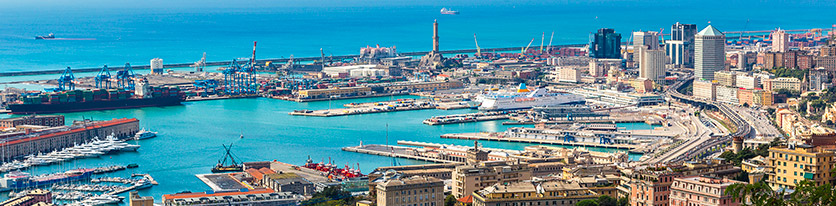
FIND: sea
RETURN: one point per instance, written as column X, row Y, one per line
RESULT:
column 94, row 33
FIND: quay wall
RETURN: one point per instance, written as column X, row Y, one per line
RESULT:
column 44, row 143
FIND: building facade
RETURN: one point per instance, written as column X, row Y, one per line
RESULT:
column 652, row 65
column 709, row 53
column 780, row 41
column 703, row 191
column 705, row 90
column 410, row 191
column 39, row 120
column 605, row 44
column 57, row 138
column 520, row 193
column 469, row 178
column 791, row 165
column 680, row 48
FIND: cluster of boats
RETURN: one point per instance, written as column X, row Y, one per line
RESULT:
column 103, row 199
column 88, row 187
column 94, row 148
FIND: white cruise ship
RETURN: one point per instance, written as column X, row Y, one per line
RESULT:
column 526, row 99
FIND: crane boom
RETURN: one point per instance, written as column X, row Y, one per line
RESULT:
column 549, row 48
column 542, row 38
column 478, row 50
column 526, row 47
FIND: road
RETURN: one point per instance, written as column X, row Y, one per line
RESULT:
column 758, row 119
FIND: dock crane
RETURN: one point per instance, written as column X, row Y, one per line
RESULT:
column 542, row 38
column 125, row 78
column 103, row 78
column 478, row 50
column 66, row 81
column 522, row 53
column 200, row 65
column 549, row 48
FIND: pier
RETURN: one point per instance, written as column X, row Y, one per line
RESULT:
column 464, row 118
column 393, row 151
column 376, row 107
column 499, row 138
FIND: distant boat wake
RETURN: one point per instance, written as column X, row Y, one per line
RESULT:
column 72, row 39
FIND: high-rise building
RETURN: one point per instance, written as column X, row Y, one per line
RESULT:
column 680, row 48
column 605, row 44
column 652, row 65
column 648, row 39
column 709, row 53
column 156, row 66
column 780, row 41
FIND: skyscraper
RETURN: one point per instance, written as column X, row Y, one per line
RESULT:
column 709, row 53
column 605, row 44
column 649, row 39
column 780, row 41
column 652, row 65
column 680, row 48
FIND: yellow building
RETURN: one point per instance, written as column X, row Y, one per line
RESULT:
column 469, row 178
column 410, row 191
column 791, row 165
column 552, row 193
column 136, row 200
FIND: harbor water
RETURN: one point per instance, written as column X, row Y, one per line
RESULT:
column 190, row 137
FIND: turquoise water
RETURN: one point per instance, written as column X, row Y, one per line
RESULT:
column 190, row 137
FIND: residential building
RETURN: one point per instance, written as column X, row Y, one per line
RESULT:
column 410, row 191
column 36, row 197
column 569, row 74
column 793, row 164
column 254, row 197
column 745, row 97
column 725, row 78
column 469, row 178
column 816, row 79
column 703, row 191
column 709, row 53
column 642, row 85
column 652, row 65
column 646, row 39
column 680, row 48
column 773, row 60
column 780, row 41
column 552, row 193
column 805, row 61
column 605, row 44
column 600, row 67
column 790, row 83
column 827, row 62
column 136, row 200
column 705, row 90
column 651, row 187
column 747, row 82
column 39, row 120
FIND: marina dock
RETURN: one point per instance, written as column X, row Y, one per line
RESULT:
column 463, row 118
column 495, row 137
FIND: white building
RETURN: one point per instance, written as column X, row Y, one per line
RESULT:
column 569, row 74
column 727, row 95
column 709, row 53
column 780, row 41
column 705, row 90
column 653, row 65
column 367, row 70
column 156, row 66
column 747, row 82
column 646, row 39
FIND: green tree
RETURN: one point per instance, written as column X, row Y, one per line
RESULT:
column 587, row 203
column 450, row 200
column 606, row 200
column 623, row 201
column 758, row 194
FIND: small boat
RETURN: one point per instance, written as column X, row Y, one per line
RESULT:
column 233, row 165
column 448, row 11
column 132, row 165
column 50, row 36
column 144, row 134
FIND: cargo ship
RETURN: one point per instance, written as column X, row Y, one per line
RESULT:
column 20, row 180
column 524, row 98
column 50, row 36
column 98, row 99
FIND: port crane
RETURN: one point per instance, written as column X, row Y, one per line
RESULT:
column 239, row 78
column 200, row 65
column 103, row 78
column 66, row 81
column 478, row 50
column 542, row 38
column 549, row 48
column 522, row 53
column 125, row 78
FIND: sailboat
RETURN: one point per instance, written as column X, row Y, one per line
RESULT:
column 222, row 166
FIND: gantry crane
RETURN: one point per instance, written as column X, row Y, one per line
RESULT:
column 125, row 78
column 66, row 81
column 103, row 78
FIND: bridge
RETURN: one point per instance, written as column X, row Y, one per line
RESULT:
column 276, row 60
column 694, row 148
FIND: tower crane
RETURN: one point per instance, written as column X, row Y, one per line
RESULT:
column 103, row 78
column 478, row 50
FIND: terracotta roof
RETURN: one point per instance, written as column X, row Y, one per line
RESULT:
column 466, row 199
column 94, row 126
column 266, row 171
column 255, row 173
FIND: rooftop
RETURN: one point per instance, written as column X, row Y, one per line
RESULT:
column 710, row 31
